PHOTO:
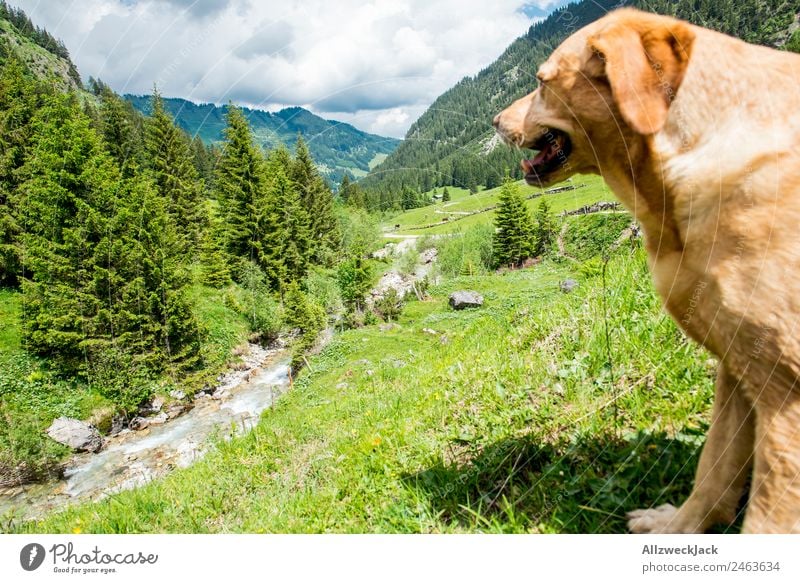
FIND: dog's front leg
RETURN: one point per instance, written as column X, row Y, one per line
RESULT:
column 721, row 474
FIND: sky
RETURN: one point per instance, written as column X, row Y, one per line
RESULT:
column 377, row 64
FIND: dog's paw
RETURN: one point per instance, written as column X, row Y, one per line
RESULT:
column 653, row 520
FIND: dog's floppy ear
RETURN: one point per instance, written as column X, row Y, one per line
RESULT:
column 644, row 66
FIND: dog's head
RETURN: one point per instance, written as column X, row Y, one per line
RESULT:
column 601, row 93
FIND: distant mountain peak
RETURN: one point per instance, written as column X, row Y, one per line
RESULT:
column 337, row 147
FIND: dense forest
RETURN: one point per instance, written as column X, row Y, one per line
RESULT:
column 452, row 143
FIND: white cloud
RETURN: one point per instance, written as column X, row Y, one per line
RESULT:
column 376, row 64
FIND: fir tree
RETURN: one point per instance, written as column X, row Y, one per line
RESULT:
column 445, row 195
column 170, row 159
column 121, row 129
column 317, row 200
column 20, row 97
column 513, row 239
column 288, row 221
column 240, row 187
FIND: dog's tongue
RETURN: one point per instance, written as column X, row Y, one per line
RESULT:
column 544, row 156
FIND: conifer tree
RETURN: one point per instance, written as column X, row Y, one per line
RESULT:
column 344, row 189
column 121, row 129
column 287, row 224
column 445, row 195
column 513, row 239
column 170, row 160
column 240, row 187
column 317, row 199
column 20, row 97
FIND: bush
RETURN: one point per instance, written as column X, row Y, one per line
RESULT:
column 26, row 454
column 390, row 306
column 258, row 305
column 322, row 288
column 407, row 263
column 121, row 378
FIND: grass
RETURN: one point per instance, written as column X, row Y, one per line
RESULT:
column 516, row 417
column 31, row 396
column 412, row 221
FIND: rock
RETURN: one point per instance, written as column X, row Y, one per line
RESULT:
column 465, row 299
column 117, row 424
column 430, row 331
column 403, row 285
column 384, row 252
column 76, row 434
column 568, row 285
column 387, row 327
column 176, row 410
column 157, row 404
column 139, row 423
column 159, row 419
column 429, row 255
column 176, row 394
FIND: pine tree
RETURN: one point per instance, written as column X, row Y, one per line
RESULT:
column 170, row 160
column 445, row 195
column 317, row 199
column 288, row 220
column 120, row 126
column 344, row 189
column 20, row 97
column 240, row 187
column 513, row 239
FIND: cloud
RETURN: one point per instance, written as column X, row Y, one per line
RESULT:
column 378, row 63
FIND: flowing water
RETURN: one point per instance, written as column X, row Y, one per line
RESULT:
column 133, row 458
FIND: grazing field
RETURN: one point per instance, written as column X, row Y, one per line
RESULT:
column 540, row 412
column 429, row 220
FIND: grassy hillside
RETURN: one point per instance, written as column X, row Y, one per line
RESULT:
column 465, row 210
column 39, row 61
column 452, row 142
column 517, row 417
column 337, row 147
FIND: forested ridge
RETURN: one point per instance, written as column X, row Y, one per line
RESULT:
column 453, row 144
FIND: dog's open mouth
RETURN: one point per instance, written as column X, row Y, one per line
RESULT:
column 554, row 147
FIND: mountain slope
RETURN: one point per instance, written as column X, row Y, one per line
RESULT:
column 44, row 56
column 337, row 147
column 453, row 142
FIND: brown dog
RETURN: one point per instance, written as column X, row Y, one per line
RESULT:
column 698, row 134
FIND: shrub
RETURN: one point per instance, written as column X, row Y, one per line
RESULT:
column 322, row 288
column 390, row 306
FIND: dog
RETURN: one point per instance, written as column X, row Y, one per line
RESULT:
column 698, row 135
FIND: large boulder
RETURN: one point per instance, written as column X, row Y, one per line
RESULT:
column 76, row 434
column 465, row 299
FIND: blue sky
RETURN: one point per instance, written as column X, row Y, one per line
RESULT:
column 376, row 64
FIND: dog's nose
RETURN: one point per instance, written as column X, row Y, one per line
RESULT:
column 496, row 121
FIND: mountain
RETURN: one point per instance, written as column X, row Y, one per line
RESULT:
column 44, row 55
column 453, row 142
column 337, row 147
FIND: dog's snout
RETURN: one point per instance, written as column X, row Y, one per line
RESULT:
column 496, row 121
